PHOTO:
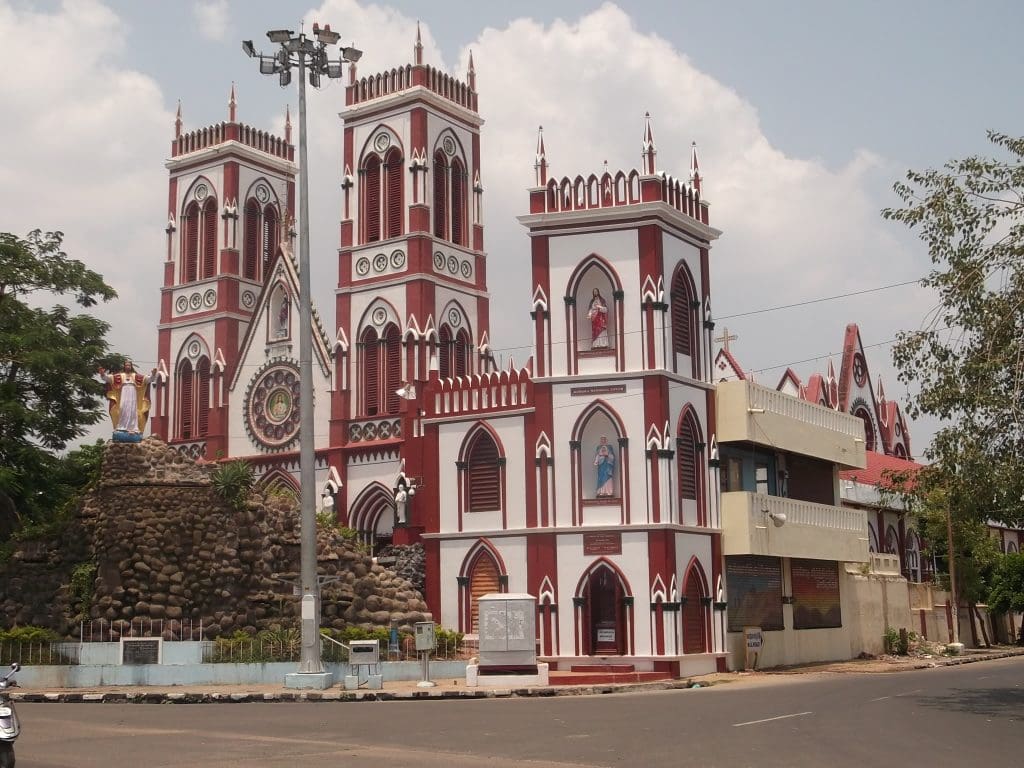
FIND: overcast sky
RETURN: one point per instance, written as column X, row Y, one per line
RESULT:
column 804, row 113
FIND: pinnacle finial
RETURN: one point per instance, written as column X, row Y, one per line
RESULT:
column 177, row 121
column 541, row 164
column 648, row 144
column 418, row 49
column 471, row 73
column 232, row 104
column 695, row 177
column 288, row 123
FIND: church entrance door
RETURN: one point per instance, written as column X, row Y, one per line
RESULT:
column 607, row 627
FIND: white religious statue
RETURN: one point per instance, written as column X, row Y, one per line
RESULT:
column 128, row 396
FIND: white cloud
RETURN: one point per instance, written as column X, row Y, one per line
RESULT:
column 85, row 154
column 92, row 134
column 211, row 18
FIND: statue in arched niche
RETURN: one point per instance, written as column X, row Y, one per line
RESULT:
column 604, row 461
column 597, row 313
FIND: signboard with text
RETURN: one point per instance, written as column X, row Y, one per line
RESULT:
column 755, row 592
column 816, row 602
column 603, row 543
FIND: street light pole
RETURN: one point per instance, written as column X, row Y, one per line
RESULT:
column 309, row 56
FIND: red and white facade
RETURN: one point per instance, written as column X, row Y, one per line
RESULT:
column 502, row 464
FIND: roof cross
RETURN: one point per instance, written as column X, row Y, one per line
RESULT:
column 725, row 338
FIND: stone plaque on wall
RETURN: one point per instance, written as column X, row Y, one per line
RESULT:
column 605, row 543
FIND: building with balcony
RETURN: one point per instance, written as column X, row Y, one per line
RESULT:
column 786, row 539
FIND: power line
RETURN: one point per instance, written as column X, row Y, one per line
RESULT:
column 818, row 301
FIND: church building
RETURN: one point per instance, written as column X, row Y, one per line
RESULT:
column 583, row 477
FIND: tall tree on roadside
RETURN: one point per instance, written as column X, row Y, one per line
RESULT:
column 49, row 392
column 967, row 359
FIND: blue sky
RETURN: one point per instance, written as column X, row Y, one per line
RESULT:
column 805, row 114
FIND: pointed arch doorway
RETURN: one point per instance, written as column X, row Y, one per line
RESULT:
column 604, row 619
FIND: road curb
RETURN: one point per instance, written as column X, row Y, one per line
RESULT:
column 433, row 694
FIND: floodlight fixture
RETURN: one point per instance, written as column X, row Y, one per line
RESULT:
column 351, row 54
column 314, row 78
column 248, row 48
column 268, row 65
column 334, row 70
column 279, row 35
column 326, row 36
column 285, row 77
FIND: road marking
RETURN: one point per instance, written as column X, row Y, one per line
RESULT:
column 769, row 719
column 880, row 698
column 909, row 693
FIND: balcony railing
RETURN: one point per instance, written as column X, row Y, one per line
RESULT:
column 759, row 524
column 751, row 413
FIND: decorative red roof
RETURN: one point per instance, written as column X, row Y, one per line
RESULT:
column 878, row 465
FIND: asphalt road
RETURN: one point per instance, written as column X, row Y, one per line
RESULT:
column 950, row 716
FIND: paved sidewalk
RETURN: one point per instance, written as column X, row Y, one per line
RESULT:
column 457, row 689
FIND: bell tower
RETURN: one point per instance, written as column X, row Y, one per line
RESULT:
column 230, row 204
column 412, row 268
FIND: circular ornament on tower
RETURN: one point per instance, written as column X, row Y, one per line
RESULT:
column 397, row 259
column 382, row 141
column 363, row 267
column 860, row 370
column 262, row 193
column 449, row 145
column 201, row 192
column 467, row 269
column 438, row 260
column 380, row 262
column 181, row 304
column 248, row 299
column 453, row 265
column 210, row 297
column 454, row 318
column 380, row 316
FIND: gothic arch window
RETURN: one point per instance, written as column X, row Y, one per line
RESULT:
column 209, row 238
column 594, row 298
column 440, row 195
column 262, row 234
column 371, row 199
column 685, row 324
column 689, row 455
column 869, row 427
column 892, row 541
column 872, row 538
column 381, row 368
column 695, row 611
column 912, row 557
column 454, row 344
column 483, row 472
column 393, row 164
column 372, row 515
column 450, row 191
column 458, row 187
column 190, row 244
column 193, row 397
column 482, row 573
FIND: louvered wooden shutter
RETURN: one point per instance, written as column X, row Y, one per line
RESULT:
column 687, row 451
column 458, row 202
column 461, row 354
column 371, row 373
column 693, row 619
column 394, row 192
column 185, row 400
column 269, row 239
column 372, row 200
column 484, row 475
column 444, row 352
column 393, row 368
column 203, row 398
column 252, row 239
column 681, row 317
column 210, row 238
column 191, row 243
column 483, row 580
column 440, row 195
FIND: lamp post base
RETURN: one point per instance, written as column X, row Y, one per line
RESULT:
column 316, row 681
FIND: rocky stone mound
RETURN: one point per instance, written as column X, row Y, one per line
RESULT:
column 167, row 547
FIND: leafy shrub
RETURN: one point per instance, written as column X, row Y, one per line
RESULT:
column 233, row 481
column 83, row 585
column 28, row 634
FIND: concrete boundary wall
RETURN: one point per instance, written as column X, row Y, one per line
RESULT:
column 271, row 673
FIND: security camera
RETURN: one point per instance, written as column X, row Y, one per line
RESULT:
column 778, row 518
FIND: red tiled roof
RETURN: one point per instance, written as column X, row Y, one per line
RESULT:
column 878, row 464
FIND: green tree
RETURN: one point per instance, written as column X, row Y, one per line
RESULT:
column 1007, row 593
column 967, row 360
column 49, row 392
